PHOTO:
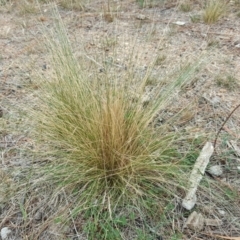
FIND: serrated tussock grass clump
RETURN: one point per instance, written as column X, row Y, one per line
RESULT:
column 214, row 10
column 106, row 149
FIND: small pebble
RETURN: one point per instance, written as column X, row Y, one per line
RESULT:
column 215, row 170
column 216, row 100
column 180, row 23
column 195, row 221
column 221, row 212
column 5, row 232
column 141, row 17
column 38, row 216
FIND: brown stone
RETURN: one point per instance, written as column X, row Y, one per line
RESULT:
column 195, row 221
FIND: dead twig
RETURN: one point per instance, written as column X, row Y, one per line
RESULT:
column 231, row 113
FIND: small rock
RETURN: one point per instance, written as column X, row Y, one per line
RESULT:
column 66, row 229
column 146, row 99
column 215, row 170
column 38, row 216
column 195, row 221
column 141, row 17
column 216, row 100
column 221, row 212
column 179, row 23
column 238, row 168
column 213, row 101
column 44, row 67
column 190, row 202
column 213, row 222
column 5, row 232
column 202, row 100
column 237, row 42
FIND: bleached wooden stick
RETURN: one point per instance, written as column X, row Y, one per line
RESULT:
column 196, row 175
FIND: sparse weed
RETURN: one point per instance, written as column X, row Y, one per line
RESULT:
column 195, row 18
column 3, row 2
column 108, row 17
column 141, row 3
column 107, row 13
column 27, row 7
column 229, row 82
column 177, row 236
column 148, row 3
column 150, row 35
column 43, row 1
column 171, row 30
column 193, row 151
column 160, row 59
column 102, row 226
column 237, row 2
column 214, row 9
column 185, row 7
column 109, row 42
column 231, row 193
column 7, row 187
column 213, row 43
column 151, row 81
column 72, row 4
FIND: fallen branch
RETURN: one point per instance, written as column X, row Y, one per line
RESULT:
column 197, row 173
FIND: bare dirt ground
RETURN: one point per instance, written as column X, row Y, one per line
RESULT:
column 162, row 30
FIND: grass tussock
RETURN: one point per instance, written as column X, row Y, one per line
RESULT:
column 27, row 7
column 106, row 152
column 72, row 4
column 229, row 82
column 214, row 10
column 185, row 6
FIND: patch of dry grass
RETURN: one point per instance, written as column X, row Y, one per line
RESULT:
column 185, row 6
column 214, row 10
column 72, row 4
column 27, row 7
column 229, row 82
